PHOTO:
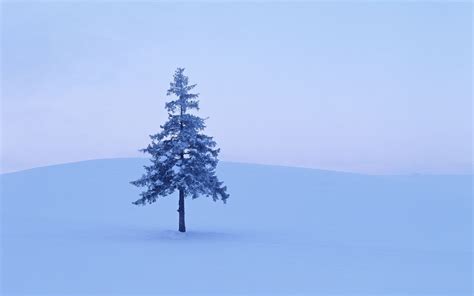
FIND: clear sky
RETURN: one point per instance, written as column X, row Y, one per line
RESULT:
column 363, row 87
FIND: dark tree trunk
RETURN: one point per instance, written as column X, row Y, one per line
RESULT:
column 182, row 225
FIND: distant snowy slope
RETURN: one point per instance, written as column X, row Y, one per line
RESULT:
column 72, row 229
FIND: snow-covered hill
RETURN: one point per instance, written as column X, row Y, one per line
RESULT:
column 71, row 229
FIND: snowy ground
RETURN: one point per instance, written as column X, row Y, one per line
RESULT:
column 71, row 229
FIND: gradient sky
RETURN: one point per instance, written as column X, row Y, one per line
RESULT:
column 362, row 87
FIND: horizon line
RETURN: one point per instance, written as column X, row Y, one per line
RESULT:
column 2, row 173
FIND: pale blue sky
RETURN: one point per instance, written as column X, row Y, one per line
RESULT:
column 363, row 87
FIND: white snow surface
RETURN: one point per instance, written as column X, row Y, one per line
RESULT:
column 72, row 229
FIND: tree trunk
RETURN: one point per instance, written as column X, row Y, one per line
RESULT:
column 182, row 225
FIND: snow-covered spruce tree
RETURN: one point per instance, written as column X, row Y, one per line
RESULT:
column 183, row 159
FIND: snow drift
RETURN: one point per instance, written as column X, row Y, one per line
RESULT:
column 72, row 229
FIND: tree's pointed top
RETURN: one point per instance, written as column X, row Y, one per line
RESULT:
column 179, row 75
column 180, row 87
column 179, row 83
